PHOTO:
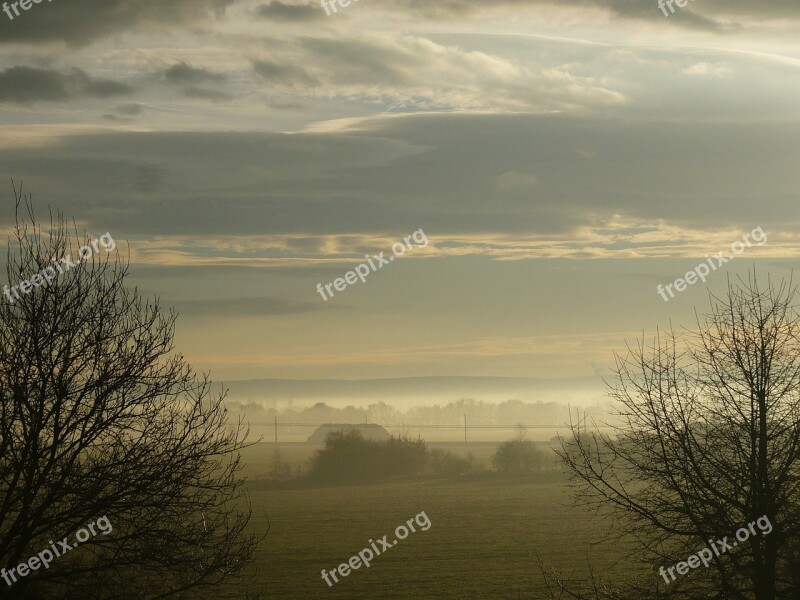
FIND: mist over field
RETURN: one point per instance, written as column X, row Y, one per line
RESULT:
column 411, row 391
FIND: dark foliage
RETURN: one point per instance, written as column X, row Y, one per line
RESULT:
column 347, row 456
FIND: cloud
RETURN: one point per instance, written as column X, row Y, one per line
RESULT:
column 124, row 113
column 130, row 109
column 22, row 85
column 511, row 181
column 25, row 84
column 183, row 74
column 192, row 79
column 504, row 186
column 285, row 74
column 704, row 68
column 80, row 22
column 289, row 13
column 688, row 17
column 102, row 88
column 243, row 307
column 206, row 94
column 148, row 179
column 422, row 75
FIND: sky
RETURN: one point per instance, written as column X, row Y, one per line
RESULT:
column 562, row 159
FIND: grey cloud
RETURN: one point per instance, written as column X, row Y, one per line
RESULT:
column 285, row 105
column 422, row 75
column 148, row 179
column 80, row 22
column 360, row 61
column 416, row 74
column 193, row 78
column 104, row 88
column 183, row 74
column 206, row 94
column 283, row 73
column 124, row 113
column 28, row 84
column 25, row 84
column 438, row 172
column 130, row 109
column 647, row 11
column 293, row 13
column 706, row 14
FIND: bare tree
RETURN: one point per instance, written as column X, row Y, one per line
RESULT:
column 100, row 417
column 709, row 441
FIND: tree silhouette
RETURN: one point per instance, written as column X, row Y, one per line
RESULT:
column 520, row 455
column 100, row 417
column 347, row 456
column 709, row 442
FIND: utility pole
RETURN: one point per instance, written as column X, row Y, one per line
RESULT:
column 465, row 429
column 276, row 431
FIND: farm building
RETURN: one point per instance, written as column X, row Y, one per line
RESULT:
column 368, row 432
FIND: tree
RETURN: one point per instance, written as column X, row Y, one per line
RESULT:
column 100, row 417
column 446, row 464
column 519, row 455
column 347, row 456
column 709, row 442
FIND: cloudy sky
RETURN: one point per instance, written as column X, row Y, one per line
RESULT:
column 562, row 158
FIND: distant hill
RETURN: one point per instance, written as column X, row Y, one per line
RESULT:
column 416, row 390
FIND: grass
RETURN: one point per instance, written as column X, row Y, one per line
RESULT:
column 480, row 545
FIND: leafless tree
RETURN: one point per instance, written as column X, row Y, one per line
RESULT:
column 707, row 441
column 99, row 416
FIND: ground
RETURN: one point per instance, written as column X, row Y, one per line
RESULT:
column 481, row 543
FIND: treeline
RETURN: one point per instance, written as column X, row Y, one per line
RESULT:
column 504, row 414
column 348, row 457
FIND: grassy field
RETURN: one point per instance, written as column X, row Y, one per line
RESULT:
column 480, row 545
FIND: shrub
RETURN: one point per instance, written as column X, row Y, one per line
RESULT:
column 519, row 456
column 446, row 464
column 347, row 456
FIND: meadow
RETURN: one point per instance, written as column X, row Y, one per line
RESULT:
column 482, row 543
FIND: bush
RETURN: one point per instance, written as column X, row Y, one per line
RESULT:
column 446, row 464
column 519, row 456
column 403, row 456
column 347, row 456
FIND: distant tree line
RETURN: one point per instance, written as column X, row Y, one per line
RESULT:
column 348, row 457
column 550, row 414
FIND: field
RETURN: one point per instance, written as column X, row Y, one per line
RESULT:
column 481, row 543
